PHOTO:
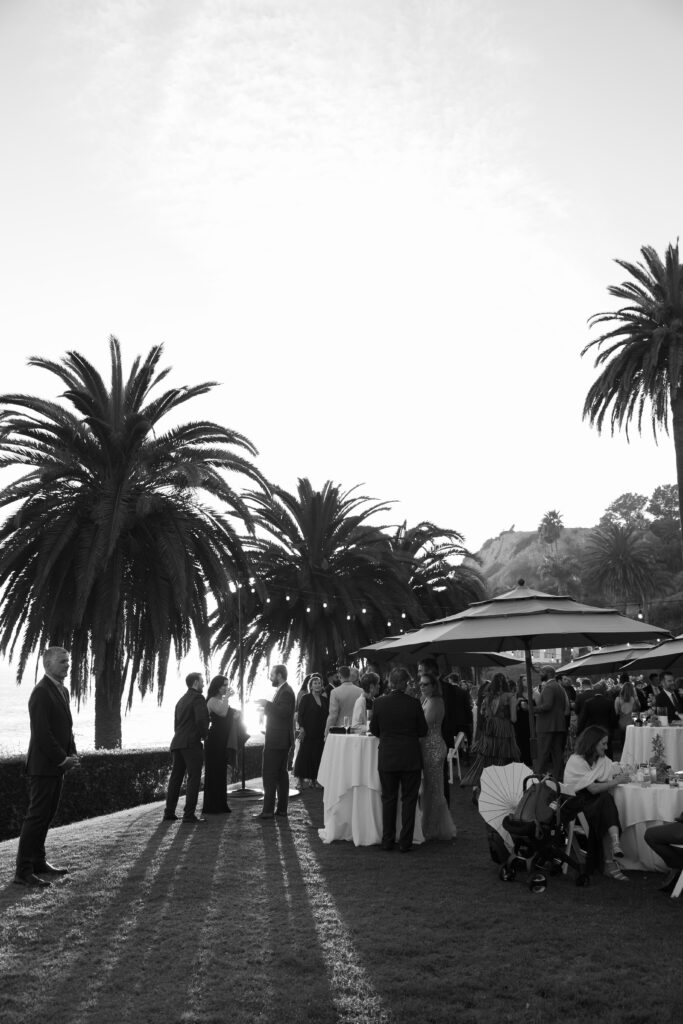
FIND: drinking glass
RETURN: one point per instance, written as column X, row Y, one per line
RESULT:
column 347, row 723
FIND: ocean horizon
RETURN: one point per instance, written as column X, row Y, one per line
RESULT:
column 148, row 725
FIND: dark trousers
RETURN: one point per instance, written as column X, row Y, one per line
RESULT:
column 188, row 760
column 664, row 840
column 275, row 780
column 550, row 753
column 44, row 792
column 409, row 783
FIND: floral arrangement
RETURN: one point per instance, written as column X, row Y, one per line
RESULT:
column 657, row 757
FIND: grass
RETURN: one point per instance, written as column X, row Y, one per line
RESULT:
column 240, row 921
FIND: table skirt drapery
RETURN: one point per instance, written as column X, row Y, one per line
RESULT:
column 352, row 798
column 640, row 807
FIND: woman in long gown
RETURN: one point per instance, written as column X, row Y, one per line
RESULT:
column 436, row 816
column 311, row 717
column 222, row 722
column 496, row 742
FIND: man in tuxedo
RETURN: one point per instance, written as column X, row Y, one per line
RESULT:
column 191, row 724
column 599, row 709
column 279, row 715
column 551, row 714
column 667, row 699
column 399, row 722
column 51, row 753
column 342, row 699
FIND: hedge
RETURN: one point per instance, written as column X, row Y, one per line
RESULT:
column 106, row 781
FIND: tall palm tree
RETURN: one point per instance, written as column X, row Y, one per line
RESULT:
column 620, row 563
column 550, row 528
column 325, row 580
column 643, row 353
column 440, row 587
column 109, row 551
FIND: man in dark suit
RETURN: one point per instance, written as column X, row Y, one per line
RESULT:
column 279, row 715
column 191, row 724
column 551, row 726
column 599, row 709
column 399, row 722
column 51, row 753
column 667, row 699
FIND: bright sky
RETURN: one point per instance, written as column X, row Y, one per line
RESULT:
column 380, row 224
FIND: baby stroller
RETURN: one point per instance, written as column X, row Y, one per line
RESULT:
column 538, row 834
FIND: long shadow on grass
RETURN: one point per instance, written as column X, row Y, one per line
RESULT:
column 98, row 925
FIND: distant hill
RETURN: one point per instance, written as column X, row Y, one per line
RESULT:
column 515, row 555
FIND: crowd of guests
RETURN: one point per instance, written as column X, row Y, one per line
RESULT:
column 579, row 726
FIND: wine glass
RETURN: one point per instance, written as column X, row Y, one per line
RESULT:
column 347, row 723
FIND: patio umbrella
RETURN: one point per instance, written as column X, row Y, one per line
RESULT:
column 604, row 659
column 384, row 651
column 667, row 657
column 525, row 619
column 501, row 791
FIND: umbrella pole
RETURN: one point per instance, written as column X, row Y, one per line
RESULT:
column 530, row 699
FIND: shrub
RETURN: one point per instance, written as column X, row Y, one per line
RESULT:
column 107, row 781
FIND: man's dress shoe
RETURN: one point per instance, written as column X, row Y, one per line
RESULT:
column 50, row 869
column 170, row 817
column 193, row 820
column 31, row 881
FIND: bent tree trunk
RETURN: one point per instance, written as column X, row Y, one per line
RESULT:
column 109, row 684
column 677, row 411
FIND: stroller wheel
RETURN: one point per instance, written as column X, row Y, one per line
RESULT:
column 507, row 873
column 583, row 879
column 538, row 882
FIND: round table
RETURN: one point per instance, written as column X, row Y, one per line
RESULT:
column 352, row 800
column 638, row 744
column 639, row 807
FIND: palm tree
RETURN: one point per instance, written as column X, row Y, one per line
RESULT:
column 620, row 563
column 558, row 575
column 643, row 358
column 325, row 581
column 109, row 552
column 550, row 528
column 440, row 587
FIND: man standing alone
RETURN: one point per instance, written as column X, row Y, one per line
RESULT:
column 399, row 722
column 191, row 723
column 51, row 753
column 279, row 714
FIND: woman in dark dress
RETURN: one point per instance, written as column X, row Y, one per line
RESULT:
column 223, row 722
column 311, row 716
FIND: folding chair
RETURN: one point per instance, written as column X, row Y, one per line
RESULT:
column 454, row 754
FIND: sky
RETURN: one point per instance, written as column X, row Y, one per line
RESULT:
column 380, row 225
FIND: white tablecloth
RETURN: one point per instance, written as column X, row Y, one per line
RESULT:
column 638, row 809
column 352, row 799
column 638, row 744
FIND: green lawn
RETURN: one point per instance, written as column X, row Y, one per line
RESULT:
column 240, row 921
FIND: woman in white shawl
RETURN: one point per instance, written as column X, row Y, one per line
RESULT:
column 590, row 777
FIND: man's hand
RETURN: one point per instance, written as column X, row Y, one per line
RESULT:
column 73, row 761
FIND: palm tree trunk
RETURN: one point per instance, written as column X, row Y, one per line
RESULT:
column 109, row 683
column 677, row 411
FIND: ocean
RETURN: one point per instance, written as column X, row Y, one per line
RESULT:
column 147, row 725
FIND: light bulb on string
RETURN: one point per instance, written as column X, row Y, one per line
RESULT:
column 308, row 608
column 348, row 618
column 403, row 615
column 365, row 611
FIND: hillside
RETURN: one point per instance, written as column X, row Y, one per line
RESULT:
column 514, row 555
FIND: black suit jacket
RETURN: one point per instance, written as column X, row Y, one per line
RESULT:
column 52, row 737
column 668, row 702
column 191, row 720
column 399, row 722
column 598, row 710
column 279, row 714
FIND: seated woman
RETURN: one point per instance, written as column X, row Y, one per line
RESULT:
column 589, row 778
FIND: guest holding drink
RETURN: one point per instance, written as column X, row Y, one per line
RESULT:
column 311, row 718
